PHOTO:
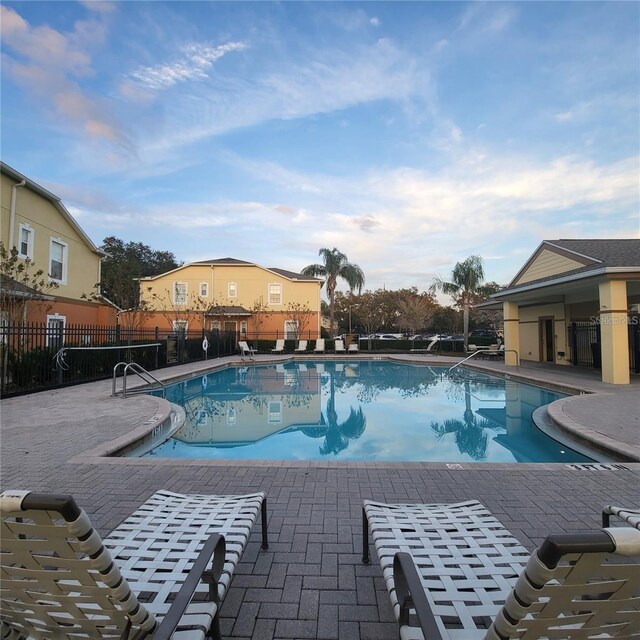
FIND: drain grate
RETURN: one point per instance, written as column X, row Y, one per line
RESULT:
column 597, row 466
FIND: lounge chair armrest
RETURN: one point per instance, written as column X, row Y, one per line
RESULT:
column 630, row 516
column 213, row 547
column 410, row 593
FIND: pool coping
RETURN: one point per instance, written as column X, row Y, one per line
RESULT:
column 103, row 454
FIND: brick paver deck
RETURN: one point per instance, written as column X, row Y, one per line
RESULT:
column 310, row 583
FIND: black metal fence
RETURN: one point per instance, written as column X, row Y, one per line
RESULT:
column 585, row 344
column 34, row 357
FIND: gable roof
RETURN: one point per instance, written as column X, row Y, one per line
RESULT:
column 594, row 255
column 234, row 262
column 54, row 200
column 221, row 261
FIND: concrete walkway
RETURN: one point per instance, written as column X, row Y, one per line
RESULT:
column 310, row 583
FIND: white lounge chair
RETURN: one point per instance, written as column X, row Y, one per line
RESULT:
column 279, row 348
column 338, row 346
column 245, row 349
column 302, row 347
column 352, row 348
column 430, row 350
column 319, row 348
column 457, row 568
column 61, row 580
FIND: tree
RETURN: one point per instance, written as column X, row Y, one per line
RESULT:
column 124, row 263
column 258, row 311
column 335, row 265
column 299, row 314
column 415, row 311
column 466, row 278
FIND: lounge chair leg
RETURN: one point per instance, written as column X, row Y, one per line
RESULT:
column 365, row 538
column 265, row 539
column 214, row 630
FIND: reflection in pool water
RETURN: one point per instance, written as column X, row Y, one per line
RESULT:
column 364, row 410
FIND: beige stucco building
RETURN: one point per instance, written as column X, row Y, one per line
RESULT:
column 575, row 302
column 233, row 295
column 37, row 224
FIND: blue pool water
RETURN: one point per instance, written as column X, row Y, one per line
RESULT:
column 366, row 410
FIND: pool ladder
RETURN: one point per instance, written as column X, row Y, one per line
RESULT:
column 141, row 372
column 475, row 353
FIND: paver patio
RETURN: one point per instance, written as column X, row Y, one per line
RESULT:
column 310, row 583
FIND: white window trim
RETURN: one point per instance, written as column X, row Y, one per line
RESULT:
column 178, row 324
column 273, row 284
column 229, row 294
column 65, row 259
column 186, row 293
column 32, row 235
column 295, row 331
column 274, row 412
column 55, row 316
column 205, row 286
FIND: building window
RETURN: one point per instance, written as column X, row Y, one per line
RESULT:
column 179, row 293
column 215, row 325
column 58, row 260
column 25, row 244
column 180, row 326
column 232, row 290
column 290, row 329
column 55, row 331
column 204, row 289
column 275, row 294
column 243, row 327
column 275, row 412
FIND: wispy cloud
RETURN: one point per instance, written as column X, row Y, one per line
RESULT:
column 326, row 82
column 193, row 63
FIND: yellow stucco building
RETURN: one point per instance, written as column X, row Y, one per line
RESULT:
column 36, row 223
column 233, row 295
column 576, row 302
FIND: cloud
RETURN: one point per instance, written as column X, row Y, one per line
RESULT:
column 193, row 63
column 42, row 45
column 325, row 82
column 376, row 22
column 50, row 65
column 366, row 223
column 486, row 18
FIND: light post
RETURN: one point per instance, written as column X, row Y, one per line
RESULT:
column 349, row 319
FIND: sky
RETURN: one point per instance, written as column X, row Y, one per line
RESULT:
column 408, row 135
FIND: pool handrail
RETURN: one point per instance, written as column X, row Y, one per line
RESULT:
column 481, row 350
column 140, row 371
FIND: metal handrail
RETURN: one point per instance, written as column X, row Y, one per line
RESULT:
column 475, row 353
column 139, row 371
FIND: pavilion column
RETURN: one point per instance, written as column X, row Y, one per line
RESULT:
column 614, row 332
column 511, row 333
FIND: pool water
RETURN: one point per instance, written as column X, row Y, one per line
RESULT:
column 360, row 410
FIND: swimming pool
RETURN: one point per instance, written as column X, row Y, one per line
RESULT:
column 373, row 410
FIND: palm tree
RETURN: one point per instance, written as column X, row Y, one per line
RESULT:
column 466, row 279
column 335, row 266
column 339, row 434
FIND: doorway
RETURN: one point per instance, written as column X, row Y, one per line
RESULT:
column 547, row 339
column 230, row 326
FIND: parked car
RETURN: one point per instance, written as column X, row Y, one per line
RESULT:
column 484, row 333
